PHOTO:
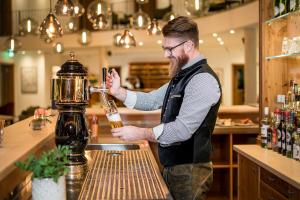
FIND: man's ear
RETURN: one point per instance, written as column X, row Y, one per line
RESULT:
column 189, row 46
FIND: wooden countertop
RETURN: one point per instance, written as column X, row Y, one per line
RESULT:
column 285, row 168
column 20, row 140
column 122, row 110
column 223, row 109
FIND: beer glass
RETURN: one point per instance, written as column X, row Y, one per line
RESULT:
column 112, row 114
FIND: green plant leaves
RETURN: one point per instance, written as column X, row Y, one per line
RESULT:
column 51, row 164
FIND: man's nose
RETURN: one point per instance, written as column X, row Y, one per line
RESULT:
column 166, row 54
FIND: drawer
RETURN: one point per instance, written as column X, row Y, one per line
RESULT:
column 274, row 182
column 267, row 193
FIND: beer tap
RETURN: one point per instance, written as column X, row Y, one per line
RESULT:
column 102, row 89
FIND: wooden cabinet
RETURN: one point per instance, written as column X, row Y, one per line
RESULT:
column 266, row 175
column 248, row 179
column 257, row 182
column 224, row 159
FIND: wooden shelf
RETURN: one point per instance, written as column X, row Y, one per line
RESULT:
column 282, row 17
column 221, row 165
column 153, row 75
column 292, row 55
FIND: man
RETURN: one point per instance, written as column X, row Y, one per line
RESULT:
column 189, row 103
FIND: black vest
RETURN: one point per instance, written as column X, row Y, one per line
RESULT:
column 198, row 148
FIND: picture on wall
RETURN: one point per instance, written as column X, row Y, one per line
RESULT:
column 29, row 80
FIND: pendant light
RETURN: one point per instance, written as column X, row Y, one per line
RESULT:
column 154, row 28
column 140, row 19
column 100, row 23
column 169, row 16
column 58, row 48
column 196, row 8
column 96, row 8
column 85, row 37
column 78, row 8
column 117, row 38
column 72, row 25
column 64, row 8
column 50, row 27
column 12, row 44
column 142, row 1
column 29, row 26
column 127, row 39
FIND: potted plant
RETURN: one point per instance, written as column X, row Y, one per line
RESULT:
column 48, row 173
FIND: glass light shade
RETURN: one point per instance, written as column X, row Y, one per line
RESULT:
column 100, row 23
column 50, row 27
column 58, row 47
column 169, row 16
column 64, row 8
column 12, row 44
column 78, row 9
column 96, row 8
column 153, row 28
column 196, row 8
column 127, row 39
column 85, row 37
column 142, row 1
column 141, row 20
column 72, row 25
column 117, row 38
column 29, row 26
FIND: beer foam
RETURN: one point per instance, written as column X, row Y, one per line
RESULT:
column 113, row 117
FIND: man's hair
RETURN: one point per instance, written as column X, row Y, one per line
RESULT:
column 182, row 27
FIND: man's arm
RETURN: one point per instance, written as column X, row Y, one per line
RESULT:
column 138, row 100
column 201, row 93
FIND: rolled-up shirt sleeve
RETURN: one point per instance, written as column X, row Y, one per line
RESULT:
column 201, row 93
column 146, row 101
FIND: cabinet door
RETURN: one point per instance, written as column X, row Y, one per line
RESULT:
column 294, row 193
column 247, row 179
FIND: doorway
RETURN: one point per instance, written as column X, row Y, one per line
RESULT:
column 7, row 89
column 238, row 84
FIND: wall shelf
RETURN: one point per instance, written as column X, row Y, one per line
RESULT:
column 283, row 56
column 281, row 17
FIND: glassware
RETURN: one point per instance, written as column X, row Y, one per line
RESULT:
column 112, row 114
column 2, row 122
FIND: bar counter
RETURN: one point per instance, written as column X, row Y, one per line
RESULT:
column 20, row 141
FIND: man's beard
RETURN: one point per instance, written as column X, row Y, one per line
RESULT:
column 177, row 63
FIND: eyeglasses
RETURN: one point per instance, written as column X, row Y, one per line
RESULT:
column 169, row 49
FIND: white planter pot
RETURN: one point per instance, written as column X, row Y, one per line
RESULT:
column 47, row 189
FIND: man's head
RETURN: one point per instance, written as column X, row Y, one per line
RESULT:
column 180, row 43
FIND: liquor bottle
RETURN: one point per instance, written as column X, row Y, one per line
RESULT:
column 283, row 132
column 296, row 138
column 275, row 128
column 289, row 133
column 265, row 125
column 276, row 8
column 292, row 5
column 282, row 7
column 270, row 132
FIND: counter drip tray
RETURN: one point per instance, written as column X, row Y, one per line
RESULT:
column 122, row 175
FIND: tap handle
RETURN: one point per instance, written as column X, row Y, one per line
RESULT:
column 104, row 71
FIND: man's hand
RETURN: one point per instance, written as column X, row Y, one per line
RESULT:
column 130, row 133
column 113, row 83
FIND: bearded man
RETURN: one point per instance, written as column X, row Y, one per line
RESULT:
column 189, row 103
